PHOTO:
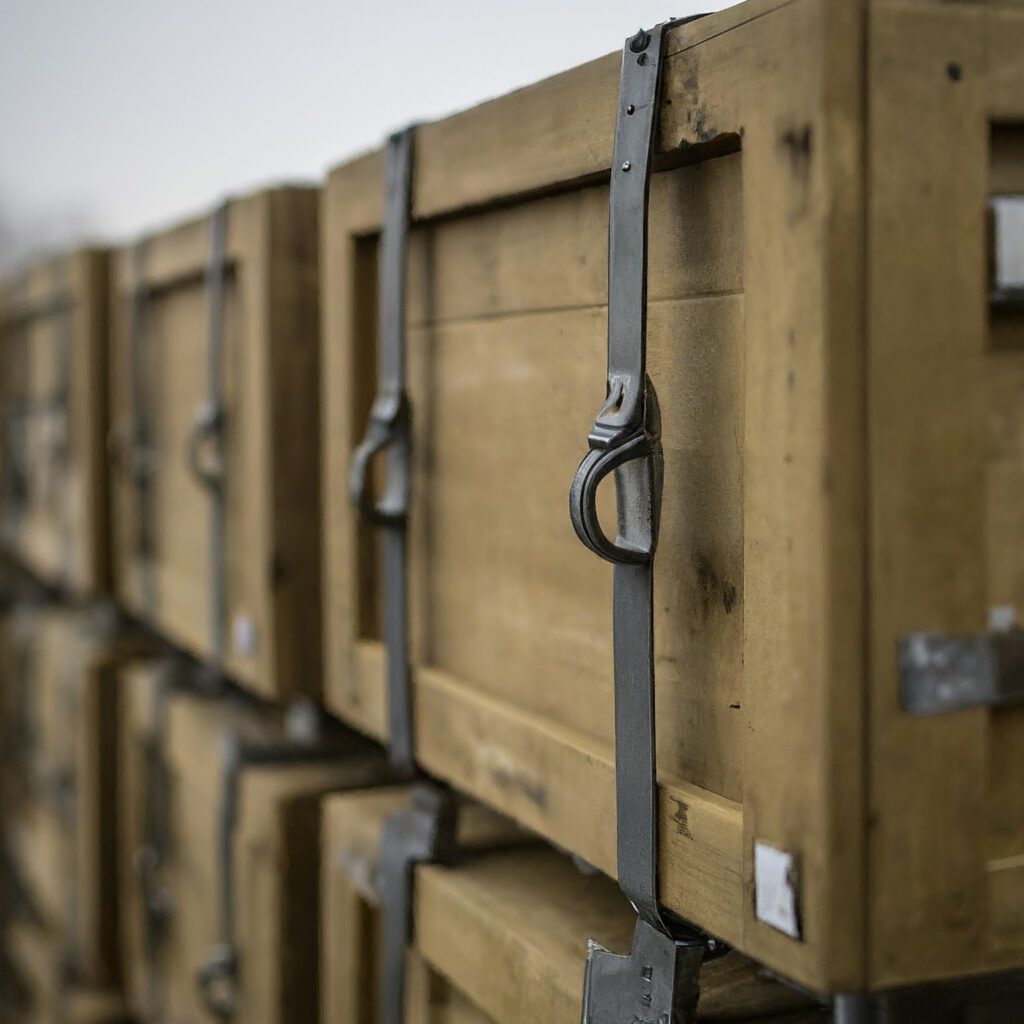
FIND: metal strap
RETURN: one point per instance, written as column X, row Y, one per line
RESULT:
column 426, row 833
column 205, row 453
column 62, row 402
column 389, row 430
column 142, row 457
column 156, row 840
column 658, row 980
column 940, row 673
column 625, row 441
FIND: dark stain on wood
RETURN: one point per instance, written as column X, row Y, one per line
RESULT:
column 510, row 781
column 712, row 588
column 681, row 817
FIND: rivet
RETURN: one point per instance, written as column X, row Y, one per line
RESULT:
column 640, row 41
column 630, row 109
column 647, row 972
column 626, row 165
column 642, row 59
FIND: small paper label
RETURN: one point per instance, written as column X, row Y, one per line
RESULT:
column 775, row 887
column 245, row 636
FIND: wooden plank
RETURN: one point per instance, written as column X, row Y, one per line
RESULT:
column 508, row 932
column 60, row 533
column 756, row 299
column 350, row 935
column 270, row 391
column 945, row 896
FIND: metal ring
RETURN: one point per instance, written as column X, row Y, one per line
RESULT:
column 208, row 428
column 388, row 427
column 596, row 465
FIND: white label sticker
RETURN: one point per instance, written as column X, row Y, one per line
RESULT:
column 245, row 636
column 775, row 888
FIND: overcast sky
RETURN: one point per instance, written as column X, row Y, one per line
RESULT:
column 118, row 116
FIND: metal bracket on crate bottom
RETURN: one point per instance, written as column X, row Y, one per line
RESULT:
column 657, row 983
column 423, row 834
column 947, row 673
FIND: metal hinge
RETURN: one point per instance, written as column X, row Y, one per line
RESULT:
column 425, row 833
column 941, row 673
column 390, row 430
column 657, row 983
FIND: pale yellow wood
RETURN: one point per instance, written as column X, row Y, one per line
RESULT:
column 947, row 817
column 756, row 300
column 270, row 372
column 62, row 533
column 350, row 920
column 531, row 912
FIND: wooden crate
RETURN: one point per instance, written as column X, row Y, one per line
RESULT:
column 60, row 669
column 53, row 357
column 275, row 849
column 498, row 939
column 268, row 636
column 350, row 926
column 842, row 438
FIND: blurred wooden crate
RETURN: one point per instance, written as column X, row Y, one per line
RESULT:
column 165, row 547
column 60, row 812
column 171, row 830
column 842, row 429
column 498, row 939
column 53, row 481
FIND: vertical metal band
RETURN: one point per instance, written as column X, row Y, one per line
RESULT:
column 390, row 430
column 625, row 440
column 206, row 454
column 142, row 468
column 423, row 834
column 152, row 854
column 62, row 402
column 657, row 981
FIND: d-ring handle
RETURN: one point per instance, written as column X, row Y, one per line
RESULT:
column 208, row 429
column 388, row 430
column 638, row 464
column 217, row 981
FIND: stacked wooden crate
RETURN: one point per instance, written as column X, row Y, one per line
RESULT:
column 786, row 723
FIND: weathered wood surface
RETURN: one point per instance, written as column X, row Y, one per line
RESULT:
column 946, row 851
column 842, row 438
column 275, row 850
column 498, row 939
column 755, row 311
column 270, row 374
column 53, row 358
column 60, row 707
column 350, row 926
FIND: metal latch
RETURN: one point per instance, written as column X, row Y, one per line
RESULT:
column 390, row 430
column 658, row 981
column 940, row 673
column 425, row 833
column 1007, row 251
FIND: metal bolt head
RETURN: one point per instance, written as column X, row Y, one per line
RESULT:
column 640, row 41
column 630, row 109
column 626, row 165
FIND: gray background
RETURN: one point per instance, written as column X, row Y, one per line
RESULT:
column 119, row 116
